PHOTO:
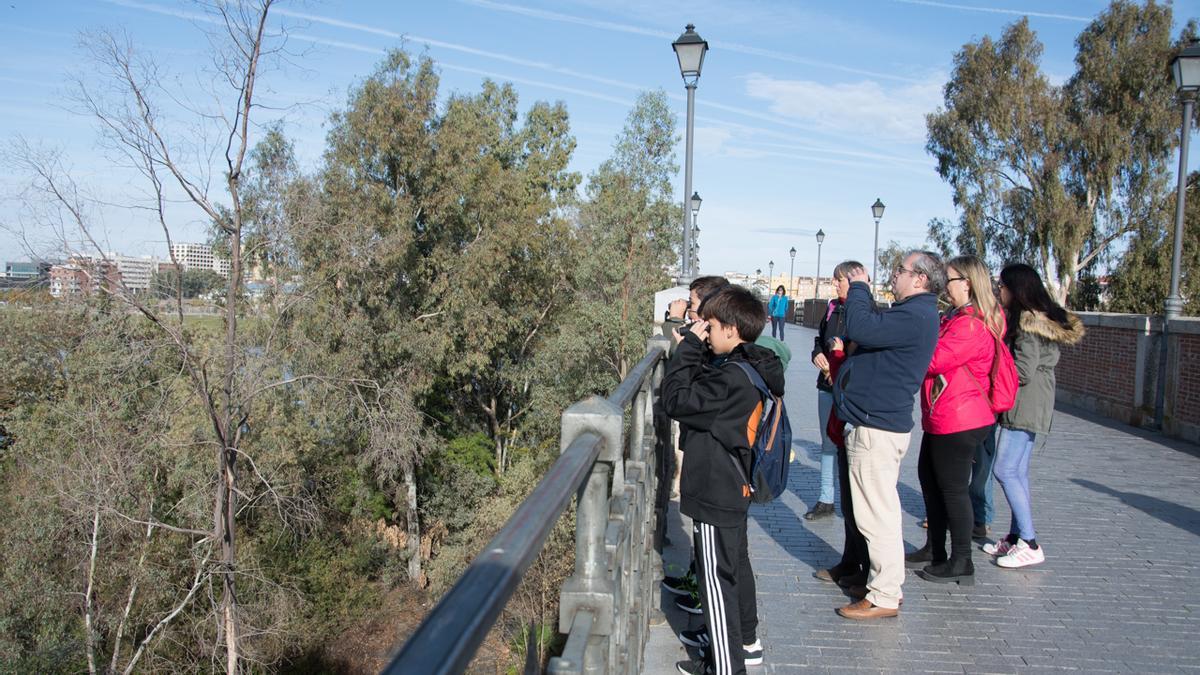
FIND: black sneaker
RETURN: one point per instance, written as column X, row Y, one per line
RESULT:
column 689, row 604
column 695, row 638
column 752, row 655
column 980, row 532
column 821, row 510
column 693, row 668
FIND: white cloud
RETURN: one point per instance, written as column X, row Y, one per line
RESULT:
column 712, row 140
column 866, row 108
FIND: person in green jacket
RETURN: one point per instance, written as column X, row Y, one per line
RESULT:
column 1037, row 328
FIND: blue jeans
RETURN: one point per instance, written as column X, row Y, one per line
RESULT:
column 1013, row 449
column 828, row 449
column 777, row 326
column 981, row 480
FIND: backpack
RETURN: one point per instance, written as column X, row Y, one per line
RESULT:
column 770, row 454
column 1002, row 382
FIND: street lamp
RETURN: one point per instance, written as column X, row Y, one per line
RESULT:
column 877, row 211
column 1186, row 68
column 689, row 49
column 817, row 280
column 792, row 272
column 770, row 275
column 695, row 202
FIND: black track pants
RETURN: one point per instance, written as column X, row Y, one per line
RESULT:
column 727, row 593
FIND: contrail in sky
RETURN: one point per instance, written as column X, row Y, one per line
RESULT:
column 393, row 35
column 996, row 10
column 663, row 35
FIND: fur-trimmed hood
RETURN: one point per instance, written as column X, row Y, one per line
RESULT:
column 1037, row 323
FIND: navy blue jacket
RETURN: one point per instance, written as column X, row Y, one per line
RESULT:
column 878, row 383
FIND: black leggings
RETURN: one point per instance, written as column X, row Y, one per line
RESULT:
column 944, row 469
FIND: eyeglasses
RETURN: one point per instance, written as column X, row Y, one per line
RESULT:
column 956, row 279
column 901, row 269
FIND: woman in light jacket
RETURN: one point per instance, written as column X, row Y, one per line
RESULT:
column 777, row 308
column 956, row 415
column 1040, row 328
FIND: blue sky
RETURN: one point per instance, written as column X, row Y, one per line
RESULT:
column 806, row 111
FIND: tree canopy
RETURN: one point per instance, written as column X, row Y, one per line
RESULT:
column 1053, row 174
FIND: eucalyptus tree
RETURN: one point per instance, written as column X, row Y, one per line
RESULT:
column 1054, row 175
column 628, row 237
column 442, row 233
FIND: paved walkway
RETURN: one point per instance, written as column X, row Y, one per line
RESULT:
column 1118, row 512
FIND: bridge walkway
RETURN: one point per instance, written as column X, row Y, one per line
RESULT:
column 1117, row 509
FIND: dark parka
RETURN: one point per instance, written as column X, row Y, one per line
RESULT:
column 1035, row 348
column 714, row 404
column 833, row 324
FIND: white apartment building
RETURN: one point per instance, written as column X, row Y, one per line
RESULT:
column 135, row 272
column 199, row 256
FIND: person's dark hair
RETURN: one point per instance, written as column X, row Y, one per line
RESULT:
column 737, row 306
column 1027, row 293
column 781, row 288
column 845, row 269
column 930, row 264
column 706, row 287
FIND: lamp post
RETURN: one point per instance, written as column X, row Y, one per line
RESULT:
column 694, row 263
column 817, row 279
column 877, row 211
column 1186, row 68
column 689, row 50
column 792, row 273
column 770, row 276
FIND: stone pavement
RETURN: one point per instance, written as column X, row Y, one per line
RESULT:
column 1117, row 509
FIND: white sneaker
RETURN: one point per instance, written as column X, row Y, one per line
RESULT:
column 1001, row 547
column 753, row 654
column 1022, row 556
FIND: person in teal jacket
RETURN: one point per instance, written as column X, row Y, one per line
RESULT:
column 777, row 308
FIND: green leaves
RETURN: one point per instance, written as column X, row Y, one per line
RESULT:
column 1053, row 175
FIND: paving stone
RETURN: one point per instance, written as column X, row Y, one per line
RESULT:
column 1116, row 508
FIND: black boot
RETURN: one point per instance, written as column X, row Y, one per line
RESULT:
column 821, row 510
column 922, row 557
column 956, row 570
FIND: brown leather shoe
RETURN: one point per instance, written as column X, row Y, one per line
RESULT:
column 863, row 610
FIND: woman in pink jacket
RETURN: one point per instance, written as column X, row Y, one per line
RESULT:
column 955, row 416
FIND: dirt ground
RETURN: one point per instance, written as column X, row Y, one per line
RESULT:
column 366, row 647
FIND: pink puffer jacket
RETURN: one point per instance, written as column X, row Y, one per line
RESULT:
column 954, row 393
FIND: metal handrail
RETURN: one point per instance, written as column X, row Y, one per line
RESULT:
column 593, row 451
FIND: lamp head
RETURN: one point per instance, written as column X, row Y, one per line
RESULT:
column 696, row 203
column 690, row 49
column 1186, row 69
column 820, row 236
column 877, row 209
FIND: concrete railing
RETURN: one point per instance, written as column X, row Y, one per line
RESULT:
column 611, row 459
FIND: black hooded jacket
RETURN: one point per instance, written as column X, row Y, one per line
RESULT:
column 714, row 405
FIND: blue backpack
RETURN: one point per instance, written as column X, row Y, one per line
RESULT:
column 771, row 451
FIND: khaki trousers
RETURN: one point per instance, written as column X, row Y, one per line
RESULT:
column 874, row 460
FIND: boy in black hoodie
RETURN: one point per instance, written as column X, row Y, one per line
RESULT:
column 720, row 408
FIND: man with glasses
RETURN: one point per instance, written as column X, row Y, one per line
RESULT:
column 874, row 392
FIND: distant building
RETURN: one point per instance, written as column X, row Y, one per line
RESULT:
column 25, row 274
column 199, row 257
column 135, row 272
column 82, row 276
